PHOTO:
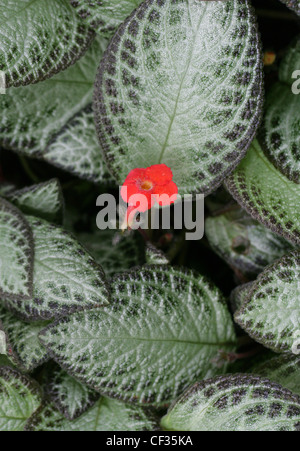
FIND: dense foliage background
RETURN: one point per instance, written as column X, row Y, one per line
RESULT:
column 104, row 331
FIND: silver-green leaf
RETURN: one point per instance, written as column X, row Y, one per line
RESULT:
column 235, row 403
column 266, row 194
column 181, row 84
column 16, row 256
column 106, row 15
column 44, row 200
column 20, row 397
column 66, row 277
column 69, row 396
column 106, row 415
column 76, row 149
column 271, row 314
column 115, row 253
column 163, row 330
column 32, row 115
column 285, row 370
column 39, row 39
column 22, row 344
column 246, row 245
column 280, row 132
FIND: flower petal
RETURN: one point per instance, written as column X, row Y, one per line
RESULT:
column 168, row 192
column 159, row 173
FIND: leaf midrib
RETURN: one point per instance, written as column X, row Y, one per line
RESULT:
column 153, row 340
column 179, row 91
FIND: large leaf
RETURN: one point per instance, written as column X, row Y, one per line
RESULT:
column 266, row 194
column 243, row 243
column 20, row 397
column 39, row 39
column 285, row 370
column 16, row 253
column 293, row 4
column 66, row 277
column 281, row 125
column 164, row 329
column 181, row 84
column 22, row 344
column 44, row 200
column 112, row 251
column 105, row 15
column 76, row 149
column 235, row 403
column 32, row 115
column 106, row 415
column 68, row 395
column 271, row 313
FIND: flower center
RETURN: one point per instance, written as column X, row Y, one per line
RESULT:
column 146, row 185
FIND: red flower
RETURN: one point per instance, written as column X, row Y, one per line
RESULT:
column 152, row 182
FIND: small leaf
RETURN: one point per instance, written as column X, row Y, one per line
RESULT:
column 76, row 149
column 235, row 403
column 105, row 16
column 23, row 345
column 44, row 200
column 181, row 84
column 155, row 256
column 19, row 399
column 16, row 257
column 66, row 277
column 239, row 295
column 293, row 4
column 271, row 314
column 112, row 251
column 285, row 370
column 68, row 395
column 39, row 39
column 32, row 115
column 106, row 415
column 247, row 246
column 164, row 330
column 266, row 194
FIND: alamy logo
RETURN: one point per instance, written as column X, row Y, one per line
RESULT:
column 185, row 212
column 2, row 342
column 296, row 84
column 2, row 82
column 296, row 343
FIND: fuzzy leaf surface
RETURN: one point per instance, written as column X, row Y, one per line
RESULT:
column 39, row 39
column 31, row 116
column 106, row 415
column 66, row 277
column 285, row 370
column 22, row 343
column 246, row 245
column 68, row 395
column 235, row 403
column 266, row 194
column 16, row 256
column 20, row 397
column 271, row 314
column 181, row 84
column 104, row 16
column 164, row 329
column 44, row 200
